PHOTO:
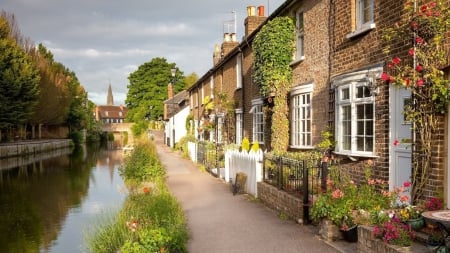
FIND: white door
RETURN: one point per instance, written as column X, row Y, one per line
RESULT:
column 400, row 140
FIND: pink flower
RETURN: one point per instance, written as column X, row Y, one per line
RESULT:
column 384, row 76
column 419, row 82
column 414, row 25
column 406, row 184
column 411, row 52
column 390, row 65
column 424, row 8
column 404, row 198
column 337, row 194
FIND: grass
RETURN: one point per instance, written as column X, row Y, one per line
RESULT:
column 151, row 219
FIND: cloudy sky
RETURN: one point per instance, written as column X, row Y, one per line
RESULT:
column 103, row 41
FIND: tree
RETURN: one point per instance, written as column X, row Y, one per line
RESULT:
column 19, row 79
column 190, row 80
column 147, row 89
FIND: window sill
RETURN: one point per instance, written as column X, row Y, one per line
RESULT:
column 361, row 31
column 301, row 147
column 355, row 156
column 295, row 62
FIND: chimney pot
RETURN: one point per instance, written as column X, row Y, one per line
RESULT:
column 261, row 11
column 251, row 11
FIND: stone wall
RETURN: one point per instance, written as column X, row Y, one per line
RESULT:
column 281, row 201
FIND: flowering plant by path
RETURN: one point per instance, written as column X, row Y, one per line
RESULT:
column 394, row 231
column 347, row 204
column 433, row 204
column 418, row 67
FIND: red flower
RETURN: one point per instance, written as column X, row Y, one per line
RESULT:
column 419, row 68
column 406, row 81
column 419, row 82
column 406, row 184
column 391, row 79
column 411, row 52
column 432, row 4
column 419, row 40
column 390, row 65
column 396, row 60
column 424, row 8
column 385, row 76
column 414, row 25
column 396, row 142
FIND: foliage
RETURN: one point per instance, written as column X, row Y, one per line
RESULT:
column 142, row 164
column 147, row 89
column 245, row 145
column 188, row 123
column 151, row 219
column 395, row 232
column 19, row 80
column 273, row 50
column 326, row 142
column 343, row 197
column 421, row 72
column 190, row 80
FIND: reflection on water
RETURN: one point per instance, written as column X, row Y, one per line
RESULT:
column 45, row 206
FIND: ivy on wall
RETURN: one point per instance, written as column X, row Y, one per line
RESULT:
column 273, row 49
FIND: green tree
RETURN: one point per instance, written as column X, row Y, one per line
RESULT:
column 19, row 79
column 190, row 79
column 147, row 89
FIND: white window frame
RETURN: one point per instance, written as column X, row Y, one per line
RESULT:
column 301, row 116
column 362, row 25
column 350, row 102
column 300, row 30
column 211, row 86
column 239, row 126
column 258, row 120
column 239, row 71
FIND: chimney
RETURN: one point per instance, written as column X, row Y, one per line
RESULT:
column 216, row 54
column 252, row 21
column 229, row 43
column 170, row 91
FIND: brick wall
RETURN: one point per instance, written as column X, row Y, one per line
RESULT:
column 281, row 201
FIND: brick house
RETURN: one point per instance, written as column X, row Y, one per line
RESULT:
column 336, row 86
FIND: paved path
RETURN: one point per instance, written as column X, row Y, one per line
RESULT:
column 220, row 222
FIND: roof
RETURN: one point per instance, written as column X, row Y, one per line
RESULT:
column 177, row 103
column 111, row 111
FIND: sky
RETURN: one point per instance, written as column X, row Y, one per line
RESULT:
column 103, row 41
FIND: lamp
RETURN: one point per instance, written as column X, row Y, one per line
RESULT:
column 372, row 84
column 173, row 71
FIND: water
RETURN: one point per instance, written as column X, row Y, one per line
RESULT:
column 49, row 205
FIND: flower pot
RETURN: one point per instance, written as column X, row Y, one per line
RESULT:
column 416, row 224
column 351, row 234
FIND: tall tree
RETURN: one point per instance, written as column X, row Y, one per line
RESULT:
column 19, row 79
column 147, row 89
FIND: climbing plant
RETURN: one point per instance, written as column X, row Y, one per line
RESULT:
column 420, row 71
column 273, row 49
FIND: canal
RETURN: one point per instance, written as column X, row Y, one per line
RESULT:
column 49, row 205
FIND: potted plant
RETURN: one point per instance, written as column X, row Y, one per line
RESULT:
column 412, row 215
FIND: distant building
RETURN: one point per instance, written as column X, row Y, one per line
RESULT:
column 110, row 113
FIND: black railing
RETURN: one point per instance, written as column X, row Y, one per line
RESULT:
column 302, row 178
column 211, row 156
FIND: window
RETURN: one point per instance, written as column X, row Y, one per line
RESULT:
column 355, row 119
column 239, row 126
column 239, row 71
column 211, row 86
column 364, row 13
column 301, row 118
column 258, row 120
column 300, row 55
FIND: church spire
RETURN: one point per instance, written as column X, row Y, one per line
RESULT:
column 110, row 99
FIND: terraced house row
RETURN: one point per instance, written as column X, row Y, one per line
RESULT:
column 342, row 80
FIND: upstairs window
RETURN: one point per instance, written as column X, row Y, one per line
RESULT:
column 300, row 54
column 364, row 14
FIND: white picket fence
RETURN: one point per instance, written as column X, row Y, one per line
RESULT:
column 250, row 163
